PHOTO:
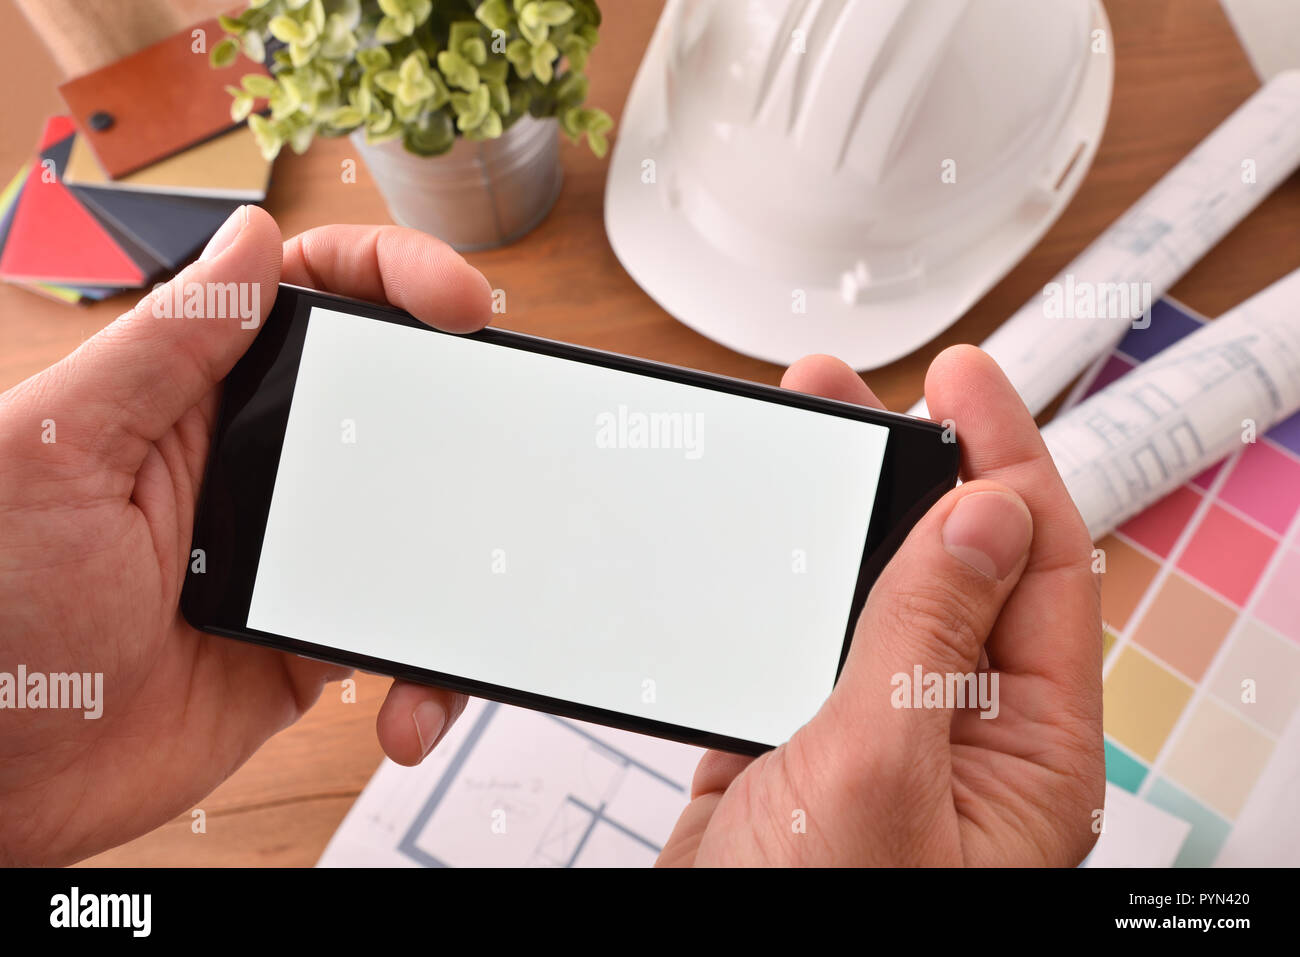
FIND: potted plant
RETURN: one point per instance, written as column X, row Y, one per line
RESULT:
column 454, row 104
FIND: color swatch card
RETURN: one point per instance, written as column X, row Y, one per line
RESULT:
column 53, row 238
column 1201, row 599
column 70, row 294
column 229, row 166
column 54, row 160
column 156, row 102
column 170, row 229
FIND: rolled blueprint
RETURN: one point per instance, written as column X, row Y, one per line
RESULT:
column 1183, row 410
column 1142, row 254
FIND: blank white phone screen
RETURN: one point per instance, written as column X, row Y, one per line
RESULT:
column 544, row 525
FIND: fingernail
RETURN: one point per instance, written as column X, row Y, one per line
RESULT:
column 990, row 532
column 224, row 236
column 429, row 719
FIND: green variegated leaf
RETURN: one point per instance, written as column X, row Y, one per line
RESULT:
column 241, row 104
column 224, row 53
column 460, row 33
column 457, row 70
column 406, row 112
column 387, row 31
column 420, row 10
column 494, row 71
column 571, row 90
column 258, row 84
column 374, row 58
column 268, row 140
column 544, row 57
column 414, row 83
column 554, row 12
column 346, row 118
column 301, row 138
column 440, row 92
column 575, row 51
column 348, row 10
column 531, row 26
column 569, row 124
column 337, row 40
column 495, row 15
column 286, row 99
column 286, row 29
column 361, row 97
column 474, row 50
column 254, row 47
column 587, row 11
column 380, row 124
column 520, row 55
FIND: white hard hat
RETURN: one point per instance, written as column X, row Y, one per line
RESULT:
column 850, row 176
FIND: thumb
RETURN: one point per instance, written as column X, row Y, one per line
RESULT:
column 932, row 608
column 127, row 385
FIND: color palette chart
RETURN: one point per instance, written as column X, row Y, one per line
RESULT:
column 1201, row 599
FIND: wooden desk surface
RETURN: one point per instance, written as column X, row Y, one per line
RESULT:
column 1179, row 72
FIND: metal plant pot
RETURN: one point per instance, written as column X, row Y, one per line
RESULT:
column 477, row 195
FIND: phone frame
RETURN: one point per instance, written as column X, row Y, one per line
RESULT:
column 243, row 462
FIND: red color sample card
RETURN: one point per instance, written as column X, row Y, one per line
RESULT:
column 54, row 239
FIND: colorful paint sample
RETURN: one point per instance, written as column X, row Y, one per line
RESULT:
column 1122, row 769
column 1185, row 626
column 1158, row 528
column 1259, row 677
column 1240, row 751
column 1279, row 601
column 1114, row 368
column 1142, row 701
column 1168, row 325
column 1228, row 554
column 1205, row 479
column 1287, row 433
column 1129, row 572
column 1265, row 485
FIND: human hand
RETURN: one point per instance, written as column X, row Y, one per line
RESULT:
column 95, row 534
column 996, row 575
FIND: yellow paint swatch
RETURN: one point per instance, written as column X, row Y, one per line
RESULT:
column 1142, row 701
column 229, row 166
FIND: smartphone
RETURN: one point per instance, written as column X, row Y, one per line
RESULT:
column 587, row 534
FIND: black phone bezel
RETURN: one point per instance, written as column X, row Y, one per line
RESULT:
column 230, row 520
